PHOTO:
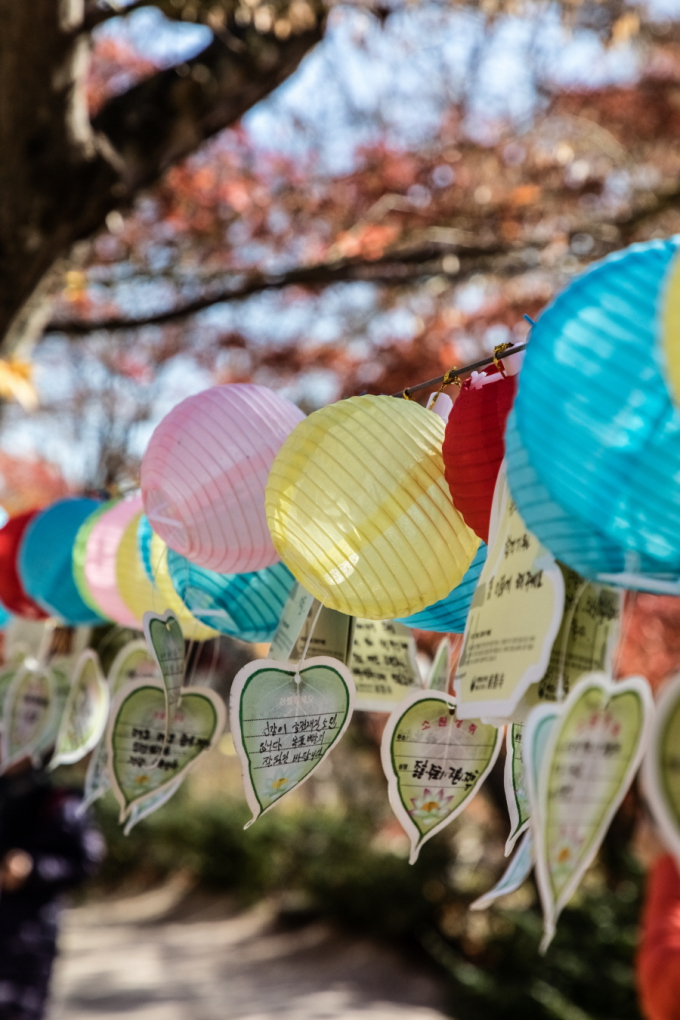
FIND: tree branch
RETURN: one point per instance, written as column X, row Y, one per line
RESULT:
column 418, row 263
column 166, row 117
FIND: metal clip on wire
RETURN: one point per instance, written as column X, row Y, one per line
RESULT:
column 498, row 349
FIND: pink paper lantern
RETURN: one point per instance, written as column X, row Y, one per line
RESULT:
column 205, row 471
column 100, row 561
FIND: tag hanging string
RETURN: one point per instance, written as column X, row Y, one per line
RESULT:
column 310, row 635
column 454, row 374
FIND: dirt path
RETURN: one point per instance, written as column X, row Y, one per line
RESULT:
column 166, row 956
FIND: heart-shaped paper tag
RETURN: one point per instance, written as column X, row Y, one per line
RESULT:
column 514, row 617
column 284, row 721
column 515, row 875
column 166, row 641
column 594, row 747
column 28, row 713
column 516, row 793
column 434, row 762
column 84, row 717
column 140, row 760
column 661, row 766
column 133, row 662
column 152, row 802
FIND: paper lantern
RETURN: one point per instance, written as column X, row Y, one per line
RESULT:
column 583, row 548
column 144, row 536
column 13, row 595
column 593, row 411
column 46, row 560
column 360, row 511
column 79, row 549
column 192, row 629
column 205, row 471
column 134, row 587
column 448, row 616
column 246, row 606
column 100, row 560
column 473, row 446
column 671, row 330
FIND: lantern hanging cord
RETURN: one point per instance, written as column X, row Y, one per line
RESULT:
column 454, row 374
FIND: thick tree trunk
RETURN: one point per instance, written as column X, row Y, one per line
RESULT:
column 60, row 175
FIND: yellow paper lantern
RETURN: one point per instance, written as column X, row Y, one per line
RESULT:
column 360, row 511
column 671, row 329
column 134, row 587
column 168, row 598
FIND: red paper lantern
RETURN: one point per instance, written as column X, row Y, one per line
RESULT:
column 474, row 445
column 12, row 593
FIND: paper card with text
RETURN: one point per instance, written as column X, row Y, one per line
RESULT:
column 438, row 679
column 515, row 875
column 516, row 793
column 61, row 670
column 434, row 762
column 331, row 635
column 133, row 662
column 585, row 642
column 661, row 766
column 514, row 617
column 6, row 677
column 166, row 641
column 595, row 745
column 383, row 664
column 84, row 717
column 284, row 722
column 146, row 806
column 293, row 618
column 144, row 756
column 30, row 706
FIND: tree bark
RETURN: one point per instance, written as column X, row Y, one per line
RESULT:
column 60, row 174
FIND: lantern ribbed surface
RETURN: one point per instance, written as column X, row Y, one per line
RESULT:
column 101, row 554
column 359, row 508
column 144, row 536
column 593, row 410
column 13, row 595
column 246, row 606
column 46, row 560
column 205, row 470
column 80, row 550
column 577, row 544
column 134, row 587
column 473, row 447
column 449, row 615
column 192, row 629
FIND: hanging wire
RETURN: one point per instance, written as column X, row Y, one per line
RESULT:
column 454, row 374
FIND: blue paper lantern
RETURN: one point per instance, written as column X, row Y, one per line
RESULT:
column 583, row 548
column 449, row 615
column 144, row 536
column 246, row 606
column 46, row 560
column 594, row 413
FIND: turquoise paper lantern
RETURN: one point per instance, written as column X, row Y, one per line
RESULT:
column 583, row 548
column 46, row 561
column 247, row 606
column 449, row 615
column 593, row 411
column 144, row 536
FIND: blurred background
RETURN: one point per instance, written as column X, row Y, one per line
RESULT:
column 397, row 187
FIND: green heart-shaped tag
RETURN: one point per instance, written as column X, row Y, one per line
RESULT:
column 166, row 641
column 661, row 767
column 133, row 662
column 85, row 713
column 593, row 750
column 434, row 762
column 140, row 761
column 29, row 709
column 516, row 793
column 284, row 721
